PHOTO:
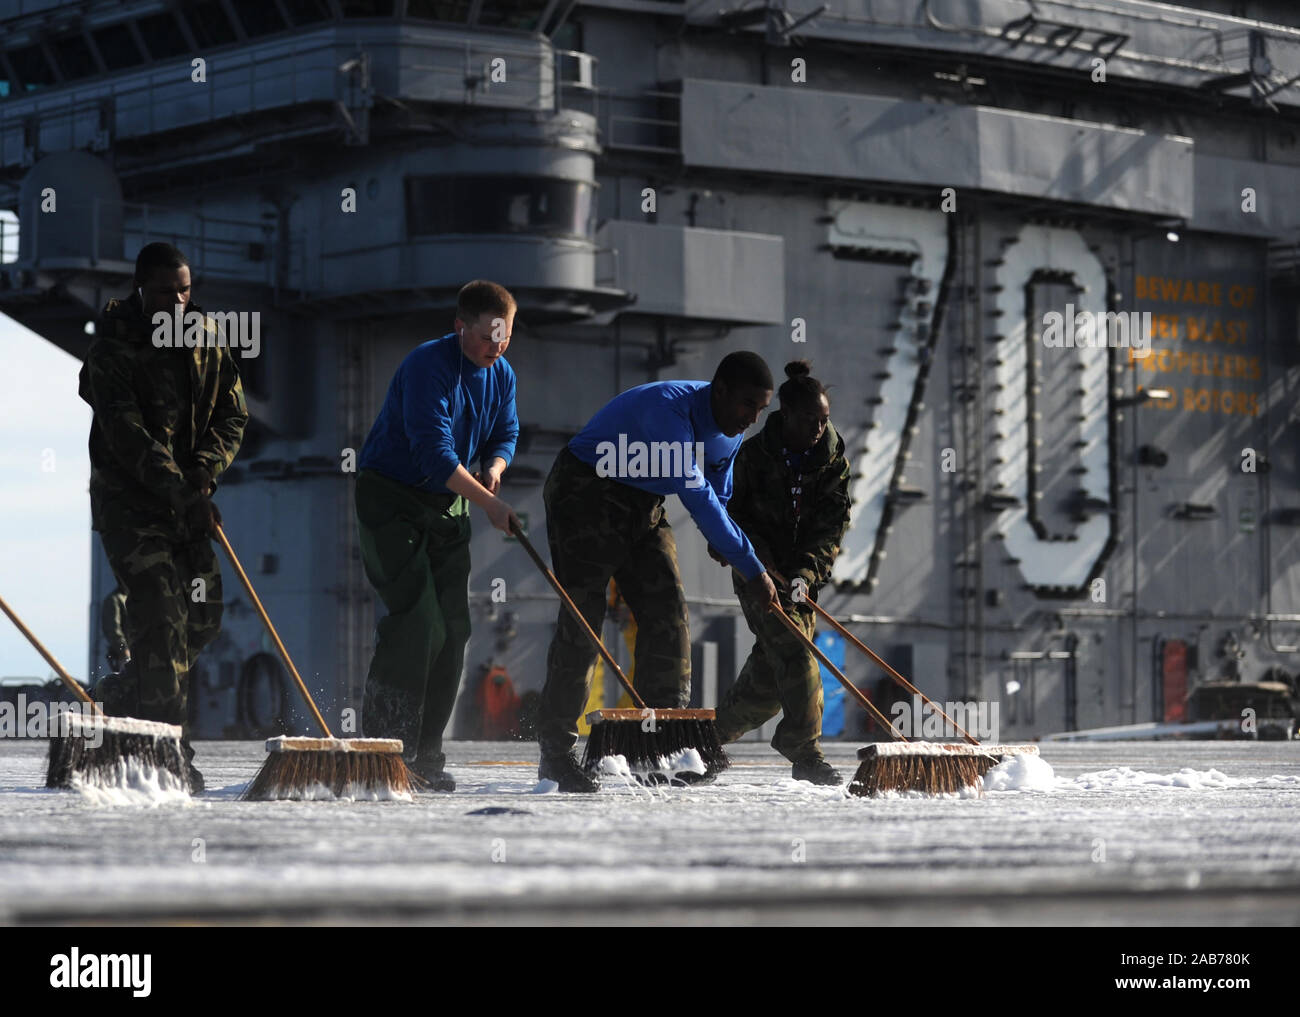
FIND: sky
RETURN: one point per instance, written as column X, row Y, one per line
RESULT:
column 44, row 508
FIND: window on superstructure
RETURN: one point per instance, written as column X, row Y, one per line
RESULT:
column 519, row 14
column 209, row 24
column 258, row 17
column 456, row 11
column 33, row 70
column 367, row 8
column 74, row 56
column 162, row 36
column 306, row 12
column 499, row 204
column 117, row 46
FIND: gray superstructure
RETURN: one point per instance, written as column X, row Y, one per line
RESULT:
column 898, row 190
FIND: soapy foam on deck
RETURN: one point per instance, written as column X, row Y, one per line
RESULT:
column 686, row 761
column 133, row 783
column 1021, row 773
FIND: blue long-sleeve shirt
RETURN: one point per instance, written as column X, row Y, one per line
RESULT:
column 678, row 412
column 442, row 411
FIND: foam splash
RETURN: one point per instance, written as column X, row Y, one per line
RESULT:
column 1021, row 773
column 1124, row 778
column 133, row 783
column 351, row 793
column 686, row 761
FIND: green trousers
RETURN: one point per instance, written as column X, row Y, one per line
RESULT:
column 598, row 528
column 415, row 550
column 173, row 610
column 779, row 676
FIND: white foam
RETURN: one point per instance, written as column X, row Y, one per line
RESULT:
column 1124, row 778
column 351, row 793
column 546, row 787
column 133, row 783
column 1021, row 773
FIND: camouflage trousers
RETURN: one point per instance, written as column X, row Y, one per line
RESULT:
column 599, row 529
column 173, row 610
column 780, row 675
column 415, row 550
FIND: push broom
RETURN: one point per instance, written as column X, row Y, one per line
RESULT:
column 300, row 769
column 647, row 738
column 101, row 751
column 905, row 765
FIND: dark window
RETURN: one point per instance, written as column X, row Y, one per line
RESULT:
column 162, row 36
column 209, row 24
column 439, row 10
column 520, row 14
column 568, row 37
column 117, row 47
column 259, row 17
column 32, row 68
column 305, row 12
column 499, row 204
column 367, row 8
column 74, row 56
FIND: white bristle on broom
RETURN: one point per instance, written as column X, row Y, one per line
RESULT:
column 928, row 767
column 96, row 753
column 332, row 769
column 958, row 748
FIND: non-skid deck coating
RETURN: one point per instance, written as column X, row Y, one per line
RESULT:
column 1188, row 833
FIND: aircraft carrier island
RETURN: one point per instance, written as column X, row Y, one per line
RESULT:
column 1045, row 254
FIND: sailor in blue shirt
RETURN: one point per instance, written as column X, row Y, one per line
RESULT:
column 451, row 403
column 605, row 519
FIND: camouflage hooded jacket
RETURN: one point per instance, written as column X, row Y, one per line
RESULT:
column 761, row 502
column 158, row 412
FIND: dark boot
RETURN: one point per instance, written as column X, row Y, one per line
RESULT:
column 565, row 771
column 817, row 771
column 433, row 769
column 119, row 694
column 196, row 778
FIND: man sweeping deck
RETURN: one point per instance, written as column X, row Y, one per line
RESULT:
column 792, row 500
column 605, row 518
column 451, row 403
column 167, row 423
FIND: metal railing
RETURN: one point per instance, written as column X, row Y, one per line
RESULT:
column 641, row 121
column 313, row 67
column 217, row 247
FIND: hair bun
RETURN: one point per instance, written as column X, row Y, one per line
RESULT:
column 798, row 369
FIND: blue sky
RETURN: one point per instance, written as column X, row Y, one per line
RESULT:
column 44, row 509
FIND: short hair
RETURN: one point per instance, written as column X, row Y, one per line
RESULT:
column 800, row 388
column 482, row 297
column 744, row 368
column 154, row 256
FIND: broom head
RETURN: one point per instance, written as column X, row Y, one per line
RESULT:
column 115, row 752
column 927, row 767
column 315, row 769
column 657, row 744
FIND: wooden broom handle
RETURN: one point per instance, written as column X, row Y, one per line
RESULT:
column 275, row 636
column 66, row 678
column 852, row 689
column 573, row 610
column 870, row 653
